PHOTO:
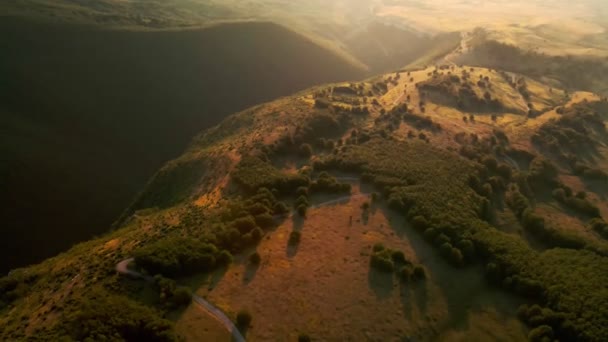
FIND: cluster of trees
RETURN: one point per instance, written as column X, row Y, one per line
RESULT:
column 460, row 91
column 180, row 256
column 573, row 133
column 578, row 202
column 421, row 122
column 253, row 173
column 587, row 172
column 389, row 260
column 326, row 183
column 599, row 226
column 423, row 177
column 546, row 324
column 112, row 317
column 171, row 295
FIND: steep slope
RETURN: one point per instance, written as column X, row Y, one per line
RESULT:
column 375, row 209
column 88, row 114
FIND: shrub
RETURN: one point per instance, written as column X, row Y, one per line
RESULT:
column 305, row 150
column 265, row 220
column 378, row 247
column 280, row 208
column 181, row 297
column 224, row 258
column 302, row 208
column 541, row 334
column 243, row 319
column 304, row 338
column 257, row 234
column 419, row 272
column 255, row 258
column 381, row 263
column 177, row 257
column 398, row 257
column 244, row 224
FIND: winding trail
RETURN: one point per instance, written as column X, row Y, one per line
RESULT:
column 123, row 268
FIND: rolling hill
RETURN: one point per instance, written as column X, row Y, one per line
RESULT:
column 447, row 202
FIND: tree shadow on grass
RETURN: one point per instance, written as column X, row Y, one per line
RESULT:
column 292, row 249
column 458, row 286
column 250, row 272
column 381, row 283
column 414, row 293
column 297, row 222
column 242, row 330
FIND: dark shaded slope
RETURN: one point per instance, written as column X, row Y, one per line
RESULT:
column 87, row 115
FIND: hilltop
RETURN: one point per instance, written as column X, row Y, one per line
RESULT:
column 367, row 210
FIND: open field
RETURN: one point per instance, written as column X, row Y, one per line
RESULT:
column 326, row 288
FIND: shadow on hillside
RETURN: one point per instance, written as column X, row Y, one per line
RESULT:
column 462, row 289
column 414, row 293
column 380, row 282
column 250, row 271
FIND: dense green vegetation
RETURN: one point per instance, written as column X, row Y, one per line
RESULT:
column 388, row 260
column 433, row 189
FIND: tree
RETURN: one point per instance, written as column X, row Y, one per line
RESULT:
column 181, row 297
column 304, row 338
column 419, row 272
column 243, row 319
column 255, row 258
column 280, row 208
column 306, row 150
column 302, row 210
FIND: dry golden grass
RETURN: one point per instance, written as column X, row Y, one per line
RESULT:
column 325, row 286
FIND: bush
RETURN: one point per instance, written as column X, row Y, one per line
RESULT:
column 243, row 319
column 302, row 208
column 265, row 220
column 305, row 150
column 280, row 208
column 378, row 247
column 541, row 334
column 398, row 257
column 255, row 258
column 245, row 224
column 177, row 257
column 419, row 272
column 406, row 273
column 181, row 297
column 382, row 263
column 304, row 338
column 224, row 258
